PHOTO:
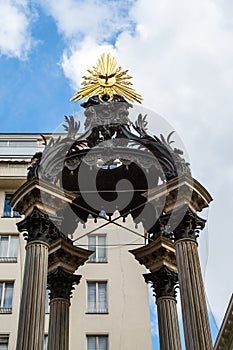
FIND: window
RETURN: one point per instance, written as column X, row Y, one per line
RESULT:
column 18, row 143
column 4, row 339
column 8, row 211
column 97, row 297
column 97, row 342
column 9, row 248
column 47, row 309
column 45, row 342
column 97, row 243
column 6, row 296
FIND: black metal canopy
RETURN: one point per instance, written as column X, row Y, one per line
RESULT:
column 111, row 164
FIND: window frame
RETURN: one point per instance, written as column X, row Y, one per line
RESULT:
column 97, row 309
column 47, row 302
column 95, row 258
column 97, row 336
column 6, row 310
column 12, row 213
column 8, row 258
column 7, row 336
column 45, row 344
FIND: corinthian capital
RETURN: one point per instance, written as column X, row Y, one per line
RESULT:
column 61, row 283
column 188, row 224
column 164, row 282
column 39, row 226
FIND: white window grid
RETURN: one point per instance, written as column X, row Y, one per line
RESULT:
column 4, row 309
column 8, row 256
column 97, row 246
column 18, row 143
column 4, row 341
column 8, row 212
column 47, row 300
column 97, row 305
column 45, row 342
column 94, row 343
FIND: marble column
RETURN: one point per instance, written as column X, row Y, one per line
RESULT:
column 60, row 284
column 164, row 282
column 159, row 257
column 40, row 231
column 194, row 309
column 64, row 260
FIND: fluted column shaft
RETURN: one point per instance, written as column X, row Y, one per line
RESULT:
column 39, row 231
column 61, row 283
column 169, row 335
column 59, row 324
column 32, row 308
column 194, row 309
column 164, row 282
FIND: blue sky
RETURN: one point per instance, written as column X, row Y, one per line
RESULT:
column 181, row 57
column 34, row 91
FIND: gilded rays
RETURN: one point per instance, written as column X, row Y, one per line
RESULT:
column 107, row 78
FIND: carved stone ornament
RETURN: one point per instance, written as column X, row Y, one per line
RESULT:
column 156, row 254
column 62, row 253
column 189, row 226
column 39, row 227
column 61, row 283
column 164, row 282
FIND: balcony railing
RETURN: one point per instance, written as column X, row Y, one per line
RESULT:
column 97, row 260
column 97, row 311
column 6, row 259
column 11, row 214
column 5, row 310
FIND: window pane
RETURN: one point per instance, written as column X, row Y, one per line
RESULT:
column 4, row 342
column 16, row 214
column 102, row 248
column 13, row 251
column 47, row 302
column 102, row 297
column 45, row 342
column 8, row 295
column 103, row 342
column 7, row 207
column 3, row 246
column 92, row 246
column 91, row 342
column 22, row 143
column 1, row 290
column 8, row 211
column 91, row 297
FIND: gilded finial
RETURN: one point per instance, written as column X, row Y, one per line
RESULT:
column 107, row 78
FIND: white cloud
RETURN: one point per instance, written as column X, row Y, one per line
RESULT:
column 75, row 62
column 15, row 37
column 77, row 18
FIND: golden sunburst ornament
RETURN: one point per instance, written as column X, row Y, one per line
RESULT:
column 107, row 78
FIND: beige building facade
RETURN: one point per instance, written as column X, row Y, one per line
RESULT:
column 109, row 307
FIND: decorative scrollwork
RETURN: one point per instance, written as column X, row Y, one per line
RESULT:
column 164, row 282
column 61, row 284
column 39, row 226
column 108, row 128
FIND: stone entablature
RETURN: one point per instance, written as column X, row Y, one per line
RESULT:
column 178, row 192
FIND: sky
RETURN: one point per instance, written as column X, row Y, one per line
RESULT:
column 180, row 54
